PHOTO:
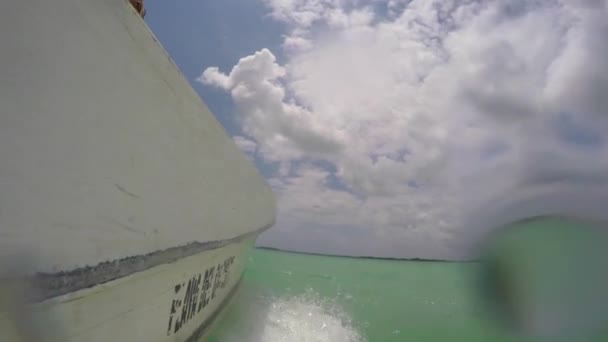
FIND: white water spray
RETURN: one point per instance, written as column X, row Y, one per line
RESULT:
column 302, row 318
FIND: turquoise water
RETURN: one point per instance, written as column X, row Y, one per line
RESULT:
column 298, row 297
column 375, row 300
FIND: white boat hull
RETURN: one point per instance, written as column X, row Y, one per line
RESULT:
column 175, row 301
column 118, row 188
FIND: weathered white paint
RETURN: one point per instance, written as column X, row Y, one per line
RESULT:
column 134, row 308
column 105, row 149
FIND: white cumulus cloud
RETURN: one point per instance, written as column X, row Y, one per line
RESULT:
column 396, row 123
column 246, row 145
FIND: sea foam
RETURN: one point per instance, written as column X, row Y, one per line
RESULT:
column 301, row 318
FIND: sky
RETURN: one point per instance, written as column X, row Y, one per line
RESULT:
column 404, row 128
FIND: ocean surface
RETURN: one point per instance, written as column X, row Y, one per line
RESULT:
column 299, row 297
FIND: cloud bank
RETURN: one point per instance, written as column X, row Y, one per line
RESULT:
column 400, row 128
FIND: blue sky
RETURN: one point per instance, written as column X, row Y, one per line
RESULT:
column 386, row 127
column 199, row 34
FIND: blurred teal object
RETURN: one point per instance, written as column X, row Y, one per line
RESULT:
column 547, row 278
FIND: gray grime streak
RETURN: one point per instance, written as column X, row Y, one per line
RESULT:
column 50, row 285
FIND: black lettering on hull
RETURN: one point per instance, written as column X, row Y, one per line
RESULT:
column 190, row 297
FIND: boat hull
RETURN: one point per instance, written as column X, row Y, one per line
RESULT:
column 118, row 188
column 176, row 301
column 106, row 150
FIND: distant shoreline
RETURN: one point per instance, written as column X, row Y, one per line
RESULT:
column 590, row 221
column 363, row 256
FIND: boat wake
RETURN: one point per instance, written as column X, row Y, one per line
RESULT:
column 305, row 317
